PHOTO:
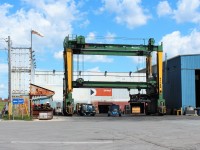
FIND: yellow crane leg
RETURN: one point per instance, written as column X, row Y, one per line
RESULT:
column 159, row 71
column 161, row 101
column 69, row 59
column 68, row 100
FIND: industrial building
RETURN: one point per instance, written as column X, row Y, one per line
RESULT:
column 100, row 97
column 181, row 81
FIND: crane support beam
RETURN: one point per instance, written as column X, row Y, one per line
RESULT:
column 67, row 91
column 121, row 85
column 79, row 46
column 159, row 72
column 112, row 52
column 69, row 68
column 161, row 101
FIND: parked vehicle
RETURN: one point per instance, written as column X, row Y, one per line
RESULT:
column 114, row 110
column 87, row 110
column 58, row 109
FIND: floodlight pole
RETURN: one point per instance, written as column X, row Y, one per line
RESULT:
column 32, row 60
column 9, row 76
column 9, row 70
column 31, row 74
column 32, row 64
column 31, row 57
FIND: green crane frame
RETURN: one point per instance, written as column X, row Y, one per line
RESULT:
column 77, row 45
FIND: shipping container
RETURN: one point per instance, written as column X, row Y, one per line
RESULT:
column 53, row 80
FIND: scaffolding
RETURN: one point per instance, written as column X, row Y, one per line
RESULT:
column 22, row 70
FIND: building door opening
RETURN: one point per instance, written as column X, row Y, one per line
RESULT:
column 197, row 87
column 103, row 108
column 138, row 108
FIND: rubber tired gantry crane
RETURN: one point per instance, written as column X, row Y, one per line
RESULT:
column 153, row 86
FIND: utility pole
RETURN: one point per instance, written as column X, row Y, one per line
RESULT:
column 9, row 70
column 33, row 65
column 9, row 73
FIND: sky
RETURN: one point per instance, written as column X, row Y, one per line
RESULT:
column 176, row 23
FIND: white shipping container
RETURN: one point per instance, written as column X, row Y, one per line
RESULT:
column 54, row 81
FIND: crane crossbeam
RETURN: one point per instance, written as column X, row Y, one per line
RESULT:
column 79, row 46
column 112, row 52
column 121, row 85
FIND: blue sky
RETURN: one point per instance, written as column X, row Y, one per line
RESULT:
column 175, row 23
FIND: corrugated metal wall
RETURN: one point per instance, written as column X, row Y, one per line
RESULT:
column 188, row 88
column 179, row 88
column 189, row 64
column 52, row 81
column 172, row 85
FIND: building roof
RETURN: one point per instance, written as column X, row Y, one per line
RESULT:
column 144, row 69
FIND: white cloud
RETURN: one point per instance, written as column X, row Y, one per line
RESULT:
column 93, row 38
column 94, row 58
column 187, row 11
column 2, row 86
column 52, row 18
column 127, row 12
column 90, row 37
column 110, row 37
column 163, row 8
column 3, row 68
column 4, row 9
column 96, row 69
column 3, row 91
column 99, row 11
column 177, row 44
column 3, row 80
column 86, row 58
column 58, row 55
column 85, row 23
column 98, row 58
column 140, row 62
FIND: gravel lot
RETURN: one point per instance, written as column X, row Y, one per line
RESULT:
column 102, row 133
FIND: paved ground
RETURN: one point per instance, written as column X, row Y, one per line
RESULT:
column 103, row 133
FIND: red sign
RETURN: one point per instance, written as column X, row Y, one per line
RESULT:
column 101, row 92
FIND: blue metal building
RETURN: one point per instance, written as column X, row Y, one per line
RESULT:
column 182, row 81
